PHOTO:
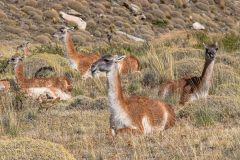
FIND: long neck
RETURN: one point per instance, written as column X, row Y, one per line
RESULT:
column 19, row 72
column 207, row 71
column 26, row 51
column 115, row 95
column 70, row 51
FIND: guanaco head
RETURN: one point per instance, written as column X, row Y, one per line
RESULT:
column 105, row 63
column 60, row 35
column 210, row 51
column 15, row 59
column 23, row 46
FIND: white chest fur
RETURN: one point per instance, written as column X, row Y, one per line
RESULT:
column 73, row 64
column 119, row 116
column 2, row 87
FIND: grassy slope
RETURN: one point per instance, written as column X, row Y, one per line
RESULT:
column 205, row 129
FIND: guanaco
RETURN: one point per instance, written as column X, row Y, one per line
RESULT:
column 54, row 86
column 192, row 88
column 4, row 85
column 82, row 62
column 131, row 114
column 24, row 47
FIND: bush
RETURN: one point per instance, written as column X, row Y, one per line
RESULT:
column 51, row 14
column 230, row 90
column 188, row 67
column 161, row 23
column 32, row 3
column 202, row 6
column 231, row 42
column 42, row 39
column 201, row 38
column 26, row 148
column 213, row 109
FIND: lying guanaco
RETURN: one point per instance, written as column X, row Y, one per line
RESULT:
column 82, row 62
column 54, row 86
column 131, row 114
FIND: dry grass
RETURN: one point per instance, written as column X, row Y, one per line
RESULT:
column 205, row 129
column 25, row 148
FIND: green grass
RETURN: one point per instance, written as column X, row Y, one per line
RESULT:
column 50, row 49
column 162, row 23
column 231, row 42
column 204, row 117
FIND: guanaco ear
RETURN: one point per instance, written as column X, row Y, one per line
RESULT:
column 118, row 58
column 216, row 44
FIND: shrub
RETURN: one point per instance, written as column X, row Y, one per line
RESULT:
column 26, row 148
column 31, row 11
column 42, row 39
column 80, row 7
column 51, row 14
column 231, row 42
column 10, row 123
column 15, row 30
column 231, row 90
column 178, row 3
column 57, row 6
column 162, row 23
column 32, row 3
column 188, row 67
column 211, row 110
column 48, row 48
column 201, row 38
column 202, row 6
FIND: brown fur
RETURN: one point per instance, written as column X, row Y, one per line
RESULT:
column 191, row 88
column 137, row 108
column 128, row 65
column 60, row 82
column 6, row 85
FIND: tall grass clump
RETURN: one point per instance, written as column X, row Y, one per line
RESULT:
column 162, row 23
column 51, row 49
column 231, row 42
column 201, row 38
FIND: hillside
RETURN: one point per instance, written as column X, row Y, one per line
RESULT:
column 37, row 20
column 78, row 128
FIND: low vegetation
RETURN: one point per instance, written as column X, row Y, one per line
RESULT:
column 208, row 128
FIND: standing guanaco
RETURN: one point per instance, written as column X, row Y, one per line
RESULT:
column 192, row 88
column 82, row 62
column 131, row 114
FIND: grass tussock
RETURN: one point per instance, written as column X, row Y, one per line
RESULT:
column 214, row 109
column 26, row 148
column 205, row 129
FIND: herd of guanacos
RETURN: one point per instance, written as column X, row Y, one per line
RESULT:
column 135, row 114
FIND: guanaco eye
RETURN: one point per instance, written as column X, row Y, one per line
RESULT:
column 106, row 60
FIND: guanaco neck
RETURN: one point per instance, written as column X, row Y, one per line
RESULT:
column 115, row 94
column 207, row 72
column 26, row 51
column 70, row 50
column 19, row 72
